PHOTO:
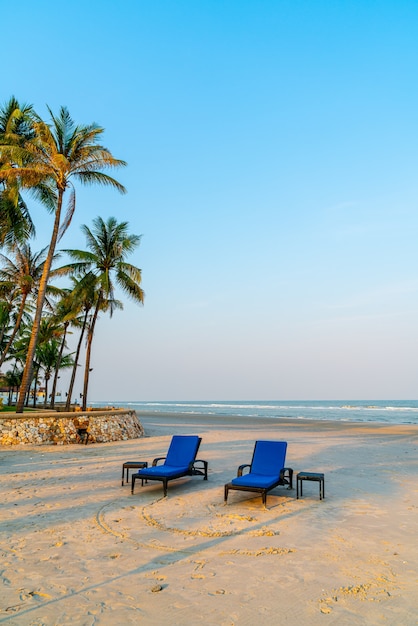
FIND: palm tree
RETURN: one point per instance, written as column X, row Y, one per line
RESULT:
column 12, row 379
column 108, row 243
column 15, row 128
column 50, row 331
column 19, row 348
column 65, row 313
column 6, row 306
column 47, row 356
column 21, row 276
column 83, row 295
column 102, row 304
column 47, row 164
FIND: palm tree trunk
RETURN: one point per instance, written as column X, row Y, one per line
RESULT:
column 27, row 372
column 77, row 356
column 2, row 333
column 35, row 388
column 88, row 351
column 46, row 390
column 57, row 369
column 16, row 328
column 27, row 397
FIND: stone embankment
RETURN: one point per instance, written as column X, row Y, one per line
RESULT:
column 65, row 428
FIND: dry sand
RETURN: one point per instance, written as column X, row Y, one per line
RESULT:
column 77, row 548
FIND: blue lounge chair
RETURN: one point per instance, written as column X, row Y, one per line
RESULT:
column 180, row 461
column 266, row 471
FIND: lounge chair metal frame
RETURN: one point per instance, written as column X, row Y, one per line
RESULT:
column 285, row 477
column 196, row 467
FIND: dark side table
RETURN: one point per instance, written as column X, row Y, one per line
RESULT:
column 311, row 476
column 132, row 465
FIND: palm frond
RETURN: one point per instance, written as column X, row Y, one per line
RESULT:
column 69, row 214
column 130, row 287
column 87, row 177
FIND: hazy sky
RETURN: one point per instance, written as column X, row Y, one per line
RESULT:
column 272, row 172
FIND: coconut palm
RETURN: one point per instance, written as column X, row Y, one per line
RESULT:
column 12, row 379
column 18, row 352
column 47, row 357
column 102, row 304
column 109, row 244
column 6, row 306
column 66, row 312
column 15, row 128
column 84, row 296
column 20, row 275
column 50, row 332
column 47, row 164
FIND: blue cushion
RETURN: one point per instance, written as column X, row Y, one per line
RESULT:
column 182, row 450
column 255, row 480
column 163, row 470
column 268, row 457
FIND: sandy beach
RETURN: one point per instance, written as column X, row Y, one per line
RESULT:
column 78, row 548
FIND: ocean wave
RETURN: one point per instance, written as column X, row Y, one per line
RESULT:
column 394, row 412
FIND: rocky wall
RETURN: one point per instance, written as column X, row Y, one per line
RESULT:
column 66, row 428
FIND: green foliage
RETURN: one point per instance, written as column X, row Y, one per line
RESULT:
column 47, row 159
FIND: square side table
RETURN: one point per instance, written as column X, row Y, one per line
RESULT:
column 132, row 465
column 310, row 476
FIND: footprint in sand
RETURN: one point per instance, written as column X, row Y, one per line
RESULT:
column 37, row 595
column 156, row 575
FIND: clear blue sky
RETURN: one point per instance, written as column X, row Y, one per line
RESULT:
column 272, row 170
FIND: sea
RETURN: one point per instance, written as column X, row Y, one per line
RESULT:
column 384, row 411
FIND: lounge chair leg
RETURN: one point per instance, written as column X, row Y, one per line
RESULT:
column 226, row 490
column 133, row 477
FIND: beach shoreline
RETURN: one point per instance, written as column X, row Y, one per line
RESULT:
column 386, row 411
column 78, row 547
column 209, row 421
